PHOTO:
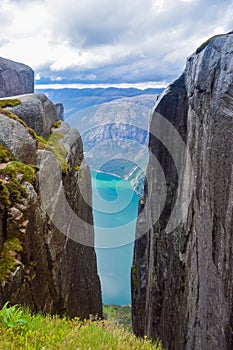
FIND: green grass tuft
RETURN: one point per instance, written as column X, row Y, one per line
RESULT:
column 22, row 330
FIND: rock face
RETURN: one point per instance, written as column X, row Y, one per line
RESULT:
column 46, row 261
column 15, row 78
column 182, row 278
column 37, row 111
column 16, row 138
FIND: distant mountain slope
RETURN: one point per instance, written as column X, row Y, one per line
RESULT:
column 114, row 133
column 75, row 100
column 115, row 136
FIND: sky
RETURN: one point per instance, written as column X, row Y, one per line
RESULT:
column 109, row 42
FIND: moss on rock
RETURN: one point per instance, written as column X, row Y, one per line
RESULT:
column 5, row 154
column 9, row 103
column 8, row 257
column 58, row 150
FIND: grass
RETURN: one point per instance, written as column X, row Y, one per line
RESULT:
column 21, row 330
column 121, row 314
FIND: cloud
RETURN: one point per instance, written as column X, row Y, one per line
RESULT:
column 123, row 41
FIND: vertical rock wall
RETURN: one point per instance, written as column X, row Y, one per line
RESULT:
column 182, row 281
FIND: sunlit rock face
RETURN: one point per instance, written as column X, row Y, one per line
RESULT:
column 15, row 78
column 182, row 279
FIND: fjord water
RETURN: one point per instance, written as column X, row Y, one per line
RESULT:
column 115, row 206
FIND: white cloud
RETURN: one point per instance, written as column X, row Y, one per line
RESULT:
column 113, row 41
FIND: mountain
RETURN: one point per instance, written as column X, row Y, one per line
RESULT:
column 182, row 274
column 47, row 259
column 119, row 126
column 115, row 135
column 75, row 100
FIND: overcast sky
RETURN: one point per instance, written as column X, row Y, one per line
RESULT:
column 109, row 41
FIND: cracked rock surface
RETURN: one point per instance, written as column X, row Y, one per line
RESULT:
column 182, row 280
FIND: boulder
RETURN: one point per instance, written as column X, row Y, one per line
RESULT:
column 15, row 137
column 15, row 78
column 37, row 111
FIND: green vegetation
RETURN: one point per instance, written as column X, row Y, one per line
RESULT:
column 13, row 168
column 21, row 330
column 56, row 124
column 4, row 195
column 8, row 261
column 32, row 132
column 12, row 316
column 9, row 103
column 11, row 177
column 58, row 150
column 121, row 314
column 5, row 154
column 51, row 144
column 200, row 48
column 76, row 167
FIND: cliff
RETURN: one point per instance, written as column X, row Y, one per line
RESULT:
column 182, row 274
column 15, row 78
column 46, row 261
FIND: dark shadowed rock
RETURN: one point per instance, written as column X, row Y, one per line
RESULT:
column 182, row 279
column 15, row 78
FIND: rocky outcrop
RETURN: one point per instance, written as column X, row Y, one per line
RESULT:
column 15, row 78
column 47, row 261
column 37, row 111
column 16, row 138
column 182, row 274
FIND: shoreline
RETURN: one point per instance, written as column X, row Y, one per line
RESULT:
column 119, row 177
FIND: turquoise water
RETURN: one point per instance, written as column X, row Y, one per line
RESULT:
column 115, row 206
